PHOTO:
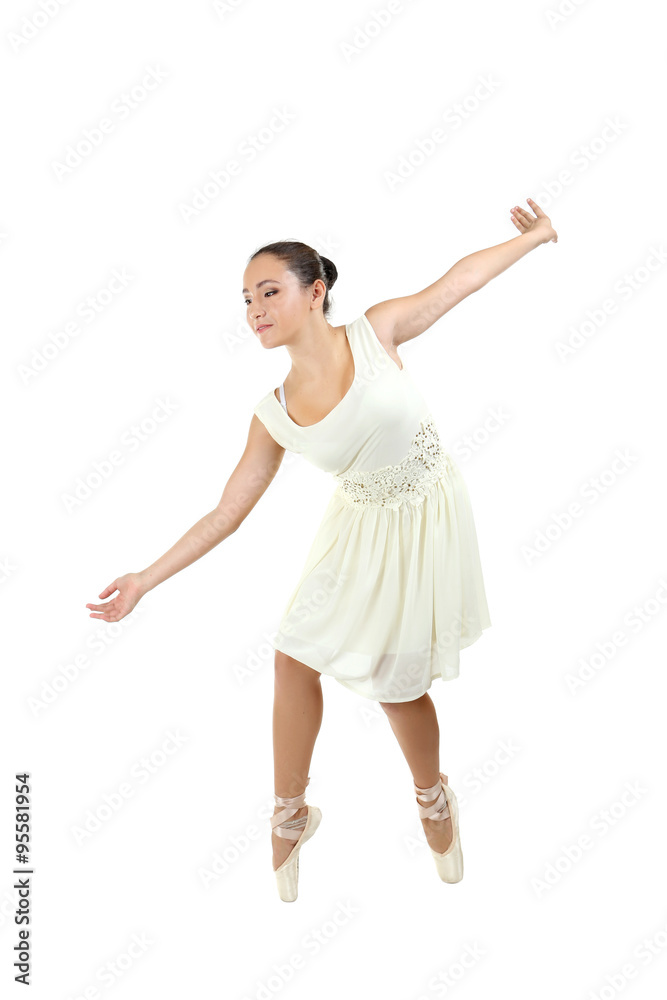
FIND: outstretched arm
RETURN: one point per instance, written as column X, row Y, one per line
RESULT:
column 248, row 482
column 404, row 318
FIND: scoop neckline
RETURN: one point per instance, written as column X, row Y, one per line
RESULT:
column 305, row 427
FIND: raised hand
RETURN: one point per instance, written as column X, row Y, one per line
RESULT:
column 539, row 223
column 130, row 592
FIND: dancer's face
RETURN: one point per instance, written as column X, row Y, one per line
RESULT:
column 273, row 297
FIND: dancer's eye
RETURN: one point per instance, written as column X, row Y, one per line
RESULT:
column 271, row 291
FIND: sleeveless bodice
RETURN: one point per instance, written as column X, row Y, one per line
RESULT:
column 372, row 427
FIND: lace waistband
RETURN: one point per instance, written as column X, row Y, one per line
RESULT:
column 408, row 482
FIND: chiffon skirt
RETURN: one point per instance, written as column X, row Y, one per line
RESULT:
column 389, row 595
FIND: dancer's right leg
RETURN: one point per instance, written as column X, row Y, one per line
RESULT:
column 297, row 717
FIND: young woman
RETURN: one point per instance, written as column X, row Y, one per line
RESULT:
column 392, row 587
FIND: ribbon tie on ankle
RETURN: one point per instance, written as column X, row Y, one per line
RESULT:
column 438, row 809
column 282, row 819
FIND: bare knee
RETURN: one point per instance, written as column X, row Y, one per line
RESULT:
column 287, row 669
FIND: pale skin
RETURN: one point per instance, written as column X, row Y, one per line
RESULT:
column 321, row 373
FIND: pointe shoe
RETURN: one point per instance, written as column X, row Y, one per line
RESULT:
column 450, row 862
column 287, row 875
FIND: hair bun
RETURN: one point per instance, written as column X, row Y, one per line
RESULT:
column 330, row 271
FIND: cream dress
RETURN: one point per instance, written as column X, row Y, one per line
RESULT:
column 392, row 587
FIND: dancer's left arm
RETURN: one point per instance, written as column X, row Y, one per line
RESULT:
column 404, row 318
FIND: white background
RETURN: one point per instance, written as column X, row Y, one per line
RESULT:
column 195, row 658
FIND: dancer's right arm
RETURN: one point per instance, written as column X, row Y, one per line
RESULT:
column 250, row 479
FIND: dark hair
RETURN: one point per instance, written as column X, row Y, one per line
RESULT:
column 304, row 262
